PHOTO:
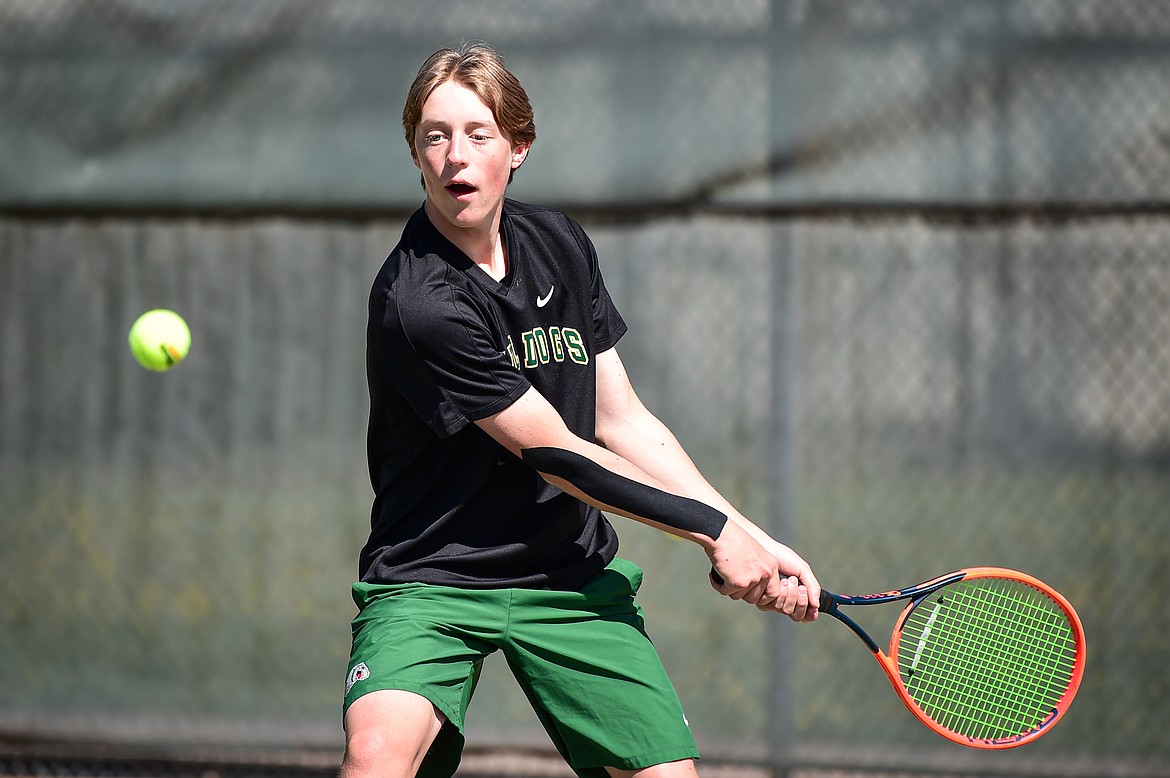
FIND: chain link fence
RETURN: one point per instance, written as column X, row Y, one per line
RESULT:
column 895, row 273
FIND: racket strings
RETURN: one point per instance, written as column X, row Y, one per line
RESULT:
column 987, row 658
column 997, row 693
column 991, row 688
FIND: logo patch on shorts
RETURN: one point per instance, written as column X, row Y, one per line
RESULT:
column 359, row 673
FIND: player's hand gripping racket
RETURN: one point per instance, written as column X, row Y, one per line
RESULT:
column 986, row 657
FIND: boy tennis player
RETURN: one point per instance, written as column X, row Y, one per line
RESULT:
column 501, row 421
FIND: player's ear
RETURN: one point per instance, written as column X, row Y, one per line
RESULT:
column 519, row 154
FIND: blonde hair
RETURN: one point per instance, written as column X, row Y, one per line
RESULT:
column 478, row 67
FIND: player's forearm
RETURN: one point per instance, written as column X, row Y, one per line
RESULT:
column 610, row 483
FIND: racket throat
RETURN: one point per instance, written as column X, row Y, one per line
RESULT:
column 836, row 613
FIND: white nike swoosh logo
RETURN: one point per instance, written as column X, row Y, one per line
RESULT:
column 543, row 301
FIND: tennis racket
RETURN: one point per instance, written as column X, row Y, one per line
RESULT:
column 986, row 657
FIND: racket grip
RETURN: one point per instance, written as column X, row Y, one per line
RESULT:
column 824, row 603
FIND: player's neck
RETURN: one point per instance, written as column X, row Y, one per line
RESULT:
column 497, row 265
column 489, row 253
column 485, row 247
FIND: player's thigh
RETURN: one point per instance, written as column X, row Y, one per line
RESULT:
column 389, row 727
column 425, row 644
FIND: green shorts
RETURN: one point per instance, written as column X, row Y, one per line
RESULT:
column 583, row 659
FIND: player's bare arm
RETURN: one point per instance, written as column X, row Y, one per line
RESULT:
column 626, row 427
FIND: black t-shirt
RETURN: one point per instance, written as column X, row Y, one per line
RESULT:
column 447, row 345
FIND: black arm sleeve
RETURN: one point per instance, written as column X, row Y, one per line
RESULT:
column 620, row 492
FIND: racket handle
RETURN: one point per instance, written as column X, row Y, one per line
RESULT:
column 824, row 604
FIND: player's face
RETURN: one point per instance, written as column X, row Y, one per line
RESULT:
column 465, row 159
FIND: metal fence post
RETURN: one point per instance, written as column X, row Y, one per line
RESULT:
column 782, row 448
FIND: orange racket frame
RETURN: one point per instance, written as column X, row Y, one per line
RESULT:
column 830, row 604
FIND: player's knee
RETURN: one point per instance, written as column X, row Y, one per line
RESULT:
column 375, row 751
column 684, row 768
column 365, row 749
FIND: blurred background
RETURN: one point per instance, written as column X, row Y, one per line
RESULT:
column 895, row 272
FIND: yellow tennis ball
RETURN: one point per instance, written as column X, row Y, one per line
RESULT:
column 160, row 339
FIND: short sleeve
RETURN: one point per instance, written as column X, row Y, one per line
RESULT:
column 439, row 352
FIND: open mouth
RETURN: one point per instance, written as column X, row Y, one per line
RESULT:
column 460, row 189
